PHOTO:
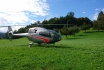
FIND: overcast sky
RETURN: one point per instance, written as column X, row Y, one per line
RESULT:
column 20, row 12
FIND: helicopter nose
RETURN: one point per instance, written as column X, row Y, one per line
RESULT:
column 57, row 38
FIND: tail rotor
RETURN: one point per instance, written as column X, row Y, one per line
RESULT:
column 10, row 33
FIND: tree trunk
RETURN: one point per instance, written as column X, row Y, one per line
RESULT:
column 66, row 37
column 85, row 31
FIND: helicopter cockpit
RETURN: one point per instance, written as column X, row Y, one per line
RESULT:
column 45, row 33
column 50, row 33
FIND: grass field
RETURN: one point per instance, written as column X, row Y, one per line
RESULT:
column 85, row 51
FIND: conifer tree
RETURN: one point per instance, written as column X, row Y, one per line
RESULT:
column 99, row 23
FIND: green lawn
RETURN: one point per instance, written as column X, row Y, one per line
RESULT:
column 85, row 51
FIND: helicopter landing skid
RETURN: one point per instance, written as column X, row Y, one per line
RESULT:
column 39, row 44
column 46, row 45
column 30, row 44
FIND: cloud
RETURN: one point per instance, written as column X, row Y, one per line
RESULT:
column 103, row 9
column 95, row 16
column 22, row 11
column 85, row 2
column 96, row 9
column 94, row 0
column 83, row 12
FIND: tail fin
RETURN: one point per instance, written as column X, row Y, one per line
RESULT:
column 10, row 33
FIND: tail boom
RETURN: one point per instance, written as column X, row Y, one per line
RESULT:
column 11, row 34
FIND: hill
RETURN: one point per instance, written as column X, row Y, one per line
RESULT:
column 2, row 35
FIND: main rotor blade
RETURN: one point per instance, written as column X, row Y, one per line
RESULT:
column 38, row 25
column 13, row 25
column 3, row 26
column 56, row 24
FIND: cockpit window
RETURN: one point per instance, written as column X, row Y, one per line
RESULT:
column 52, row 34
column 47, row 34
column 35, row 30
column 55, row 33
column 32, row 31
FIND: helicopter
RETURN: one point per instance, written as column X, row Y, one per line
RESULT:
column 37, row 35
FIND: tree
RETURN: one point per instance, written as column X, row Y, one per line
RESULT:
column 61, row 20
column 80, row 21
column 70, row 14
column 70, row 19
column 85, row 26
column 21, row 30
column 45, row 24
column 100, row 20
column 77, row 29
column 69, row 31
column 94, row 24
column 64, row 31
column 73, row 30
column 53, row 21
column 55, row 29
column 15, row 32
column 99, row 23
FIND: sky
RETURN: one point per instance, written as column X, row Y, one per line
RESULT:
column 25, row 12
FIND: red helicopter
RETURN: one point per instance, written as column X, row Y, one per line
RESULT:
column 37, row 35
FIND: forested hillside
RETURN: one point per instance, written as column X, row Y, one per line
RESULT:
column 83, row 22
column 68, row 19
column 2, row 35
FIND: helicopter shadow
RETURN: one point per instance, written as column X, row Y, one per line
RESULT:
column 54, row 46
column 83, row 35
column 73, row 38
column 64, row 47
column 44, row 45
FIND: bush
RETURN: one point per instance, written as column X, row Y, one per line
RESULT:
column 69, row 31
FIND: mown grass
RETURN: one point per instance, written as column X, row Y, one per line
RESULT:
column 85, row 51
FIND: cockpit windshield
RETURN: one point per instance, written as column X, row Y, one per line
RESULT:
column 45, row 33
column 56, row 36
column 49, row 33
column 55, row 33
